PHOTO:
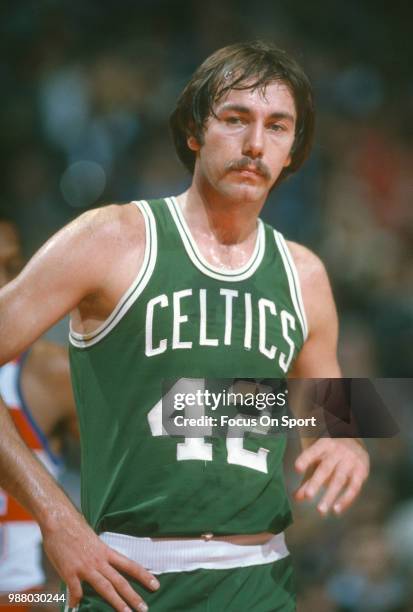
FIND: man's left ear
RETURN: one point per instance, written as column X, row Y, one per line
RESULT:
column 193, row 143
column 287, row 161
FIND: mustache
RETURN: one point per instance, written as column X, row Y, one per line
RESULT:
column 247, row 162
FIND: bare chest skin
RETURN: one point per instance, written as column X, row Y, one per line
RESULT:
column 231, row 256
column 226, row 245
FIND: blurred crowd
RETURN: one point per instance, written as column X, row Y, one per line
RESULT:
column 86, row 94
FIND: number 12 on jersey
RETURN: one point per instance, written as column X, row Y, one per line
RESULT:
column 196, row 448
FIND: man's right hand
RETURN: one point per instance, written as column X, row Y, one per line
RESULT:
column 78, row 555
column 71, row 545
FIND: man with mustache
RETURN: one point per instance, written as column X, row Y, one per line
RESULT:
column 187, row 288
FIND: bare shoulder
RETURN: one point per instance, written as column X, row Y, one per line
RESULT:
column 94, row 257
column 119, row 238
column 114, row 224
column 108, row 240
column 86, row 244
column 310, row 267
column 315, row 285
column 114, row 257
column 318, row 356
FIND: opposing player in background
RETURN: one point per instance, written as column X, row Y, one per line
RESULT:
column 36, row 389
column 190, row 287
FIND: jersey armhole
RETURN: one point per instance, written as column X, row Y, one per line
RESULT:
column 134, row 290
column 293, row 282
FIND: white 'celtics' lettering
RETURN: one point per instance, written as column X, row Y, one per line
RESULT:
column 230, row 294
column 248, row 321
column 262, row 305
column 287, row 321
column 203, row 339
column 206, row 319
column 179, row 319
column 150, row 350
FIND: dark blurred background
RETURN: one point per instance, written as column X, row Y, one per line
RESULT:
column 87, row 88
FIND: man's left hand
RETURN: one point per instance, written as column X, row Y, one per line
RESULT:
column 340, row 465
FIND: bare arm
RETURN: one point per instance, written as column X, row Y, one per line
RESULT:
column 318, row 357
column 341, row 465
column 84, row 263
column 73, row 548
column 74, row 265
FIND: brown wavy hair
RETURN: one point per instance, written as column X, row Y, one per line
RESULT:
column 252, row 65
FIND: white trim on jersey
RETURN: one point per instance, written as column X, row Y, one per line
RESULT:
column 201, row 263
column 133, row 292
column 293, row 281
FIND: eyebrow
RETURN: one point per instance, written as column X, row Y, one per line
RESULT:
column 239, row 108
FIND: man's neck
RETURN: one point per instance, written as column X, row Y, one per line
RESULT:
column 227, row 222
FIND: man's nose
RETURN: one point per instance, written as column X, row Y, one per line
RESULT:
column 254, row 141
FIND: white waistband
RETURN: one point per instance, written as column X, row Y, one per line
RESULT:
column 162, row 556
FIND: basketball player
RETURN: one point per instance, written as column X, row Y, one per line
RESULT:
column 188, row 287
column 37, row 390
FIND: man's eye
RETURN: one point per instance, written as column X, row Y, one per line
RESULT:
column 233, row 120
column 277, row 127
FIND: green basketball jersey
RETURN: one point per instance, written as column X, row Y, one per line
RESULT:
column 183, row 318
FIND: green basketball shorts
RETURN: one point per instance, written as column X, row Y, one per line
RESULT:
column 257, row 588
